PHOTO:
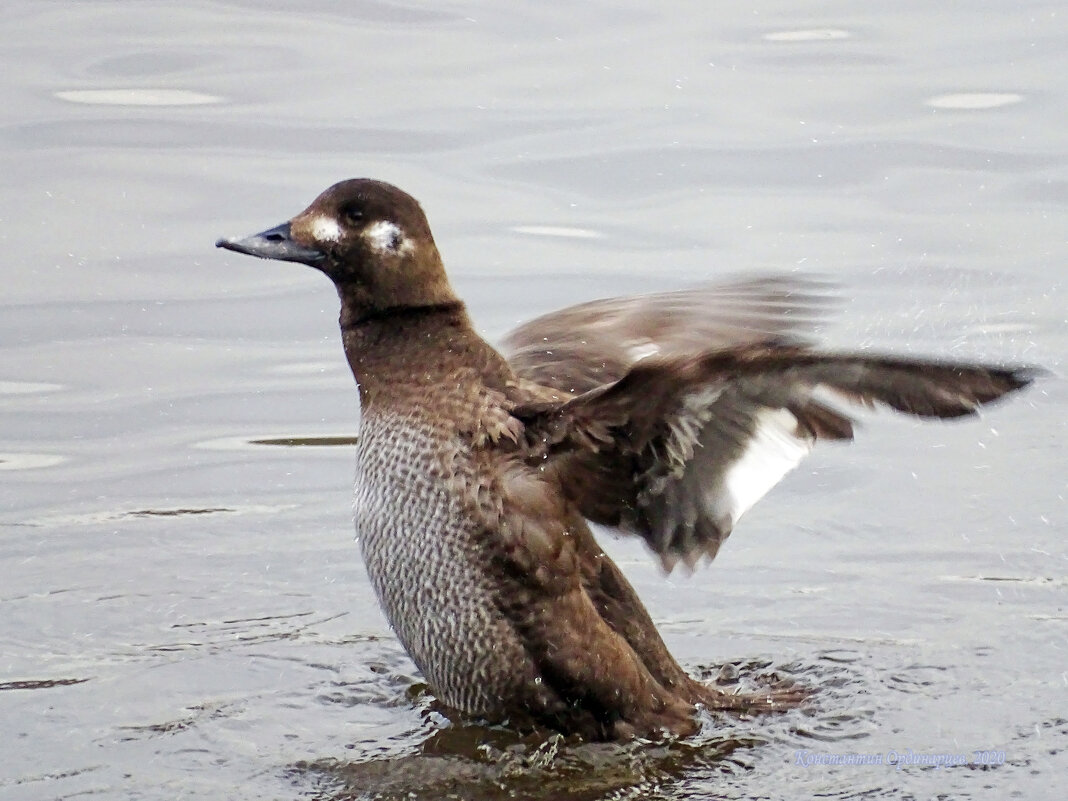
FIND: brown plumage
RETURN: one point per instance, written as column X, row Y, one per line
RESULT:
column 666, row 416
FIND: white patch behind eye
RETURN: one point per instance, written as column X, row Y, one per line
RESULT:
column 387, row 237
column 325, row 229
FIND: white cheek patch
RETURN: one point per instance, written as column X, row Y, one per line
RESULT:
column 325, row 229
column 387, row 237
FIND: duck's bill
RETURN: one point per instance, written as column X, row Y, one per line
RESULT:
column 275, row 243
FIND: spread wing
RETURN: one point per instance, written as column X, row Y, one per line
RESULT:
column 583, row 347
column 678, row 449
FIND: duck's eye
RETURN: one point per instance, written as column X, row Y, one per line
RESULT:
column 351, row 214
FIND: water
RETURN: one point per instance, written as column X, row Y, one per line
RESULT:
column 183, row 612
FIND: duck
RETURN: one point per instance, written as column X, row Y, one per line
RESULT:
column 479, row 471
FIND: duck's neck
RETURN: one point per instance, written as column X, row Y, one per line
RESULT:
column 364, row 321
column 406, row 354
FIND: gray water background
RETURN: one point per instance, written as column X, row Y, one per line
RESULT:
column 183, row 612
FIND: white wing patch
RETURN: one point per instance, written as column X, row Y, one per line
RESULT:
column 325, row 229
column 387, row 237
column 773, row 451
column 642, row 350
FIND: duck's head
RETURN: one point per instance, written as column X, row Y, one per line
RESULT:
column 369, row 237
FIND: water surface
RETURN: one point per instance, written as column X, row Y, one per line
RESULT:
column 183, row 612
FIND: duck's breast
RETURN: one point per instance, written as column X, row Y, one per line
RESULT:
column 420, row 541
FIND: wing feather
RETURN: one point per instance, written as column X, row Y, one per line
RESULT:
column 677, row 450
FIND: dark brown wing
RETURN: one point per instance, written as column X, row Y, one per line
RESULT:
column 677, row 450
column 582, row 347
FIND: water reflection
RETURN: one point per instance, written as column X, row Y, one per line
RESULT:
column 481, row 762
column 302, row 442
column 291, row 441
column 138, row 97
column 38, row 684
column 29, row 461
column 472, row 760
column 974, row 101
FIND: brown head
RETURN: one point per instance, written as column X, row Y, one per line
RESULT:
column 370, row 238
